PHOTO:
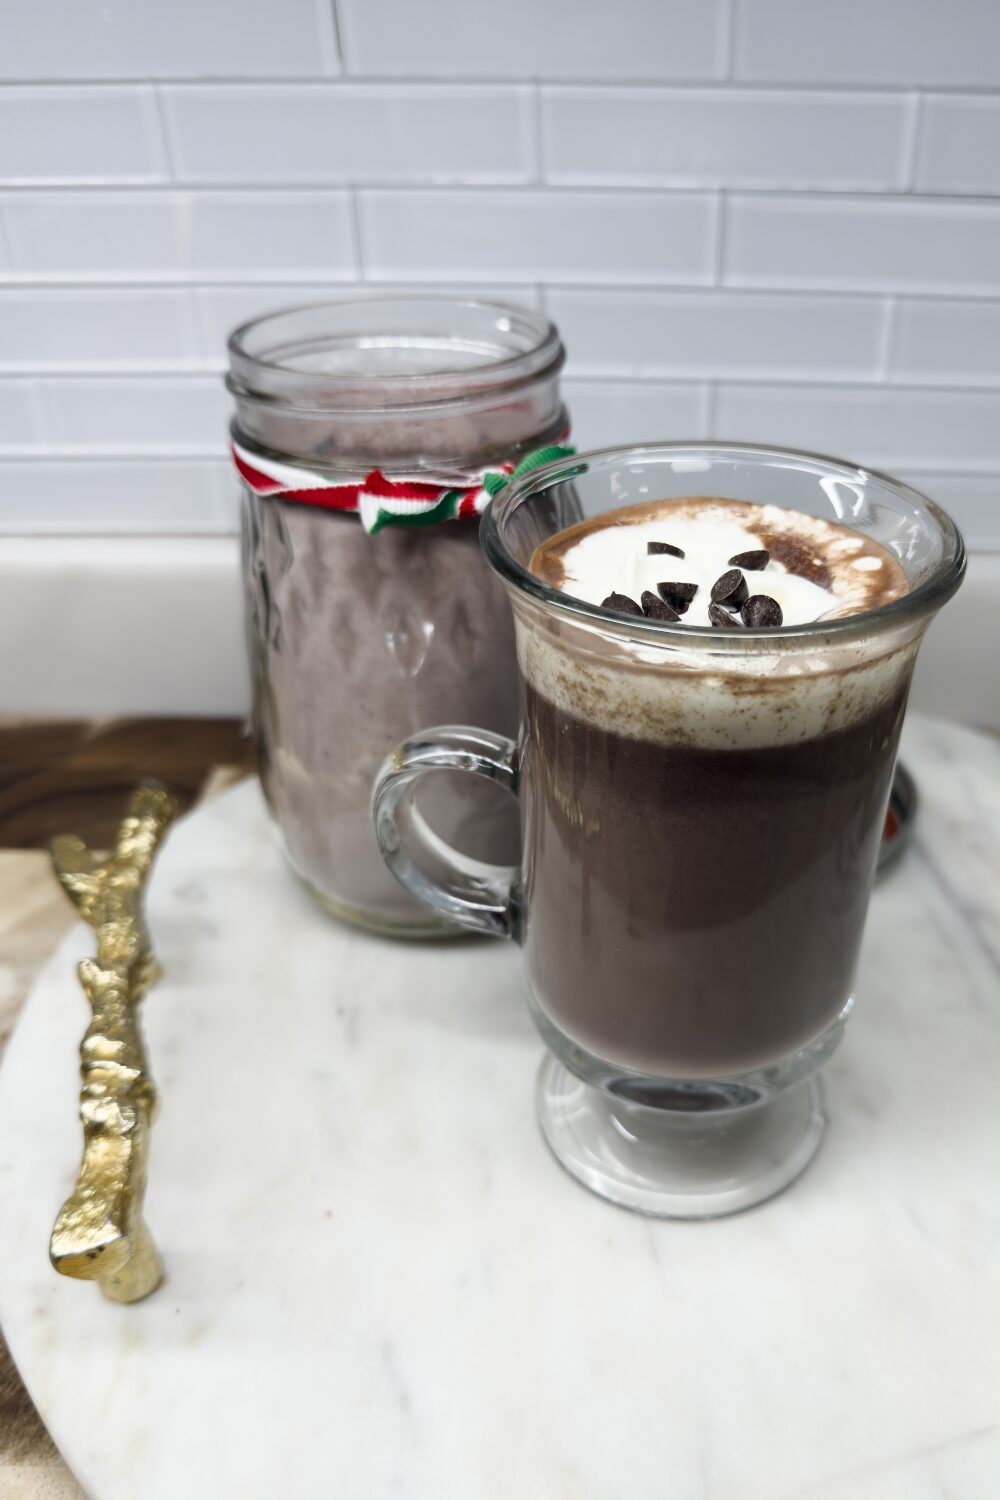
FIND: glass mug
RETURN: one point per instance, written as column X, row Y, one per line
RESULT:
column 701, row 811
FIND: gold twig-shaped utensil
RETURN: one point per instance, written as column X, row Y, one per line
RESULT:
column 100, row 1234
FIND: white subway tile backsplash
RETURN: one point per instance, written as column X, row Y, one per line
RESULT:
column 60, row 328
column 154, row 495
column 972, row 500
column 947, row 343
column 223, row 308
column 794, row 242
column 887, row 428
column 537, row 236
column 719, row 333
column 139, row 414
column 608, row 411
column 345, row 132
column 959, row 146
column 724, row 137
column 951, row 42
column 65, row 39
column 21, row 415
column 80, row 134
column 884, row 244
column 125, row 236
column 649, row 39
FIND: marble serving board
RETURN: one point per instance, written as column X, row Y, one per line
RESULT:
column 380, row 1284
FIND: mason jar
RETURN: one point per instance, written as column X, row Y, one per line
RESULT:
column 368, row 435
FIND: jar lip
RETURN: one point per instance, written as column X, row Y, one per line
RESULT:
column 257, row 374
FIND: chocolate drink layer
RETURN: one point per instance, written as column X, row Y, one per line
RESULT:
column 704, row 825
column 695, row 913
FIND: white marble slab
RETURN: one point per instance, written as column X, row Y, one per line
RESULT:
column 379, row 1283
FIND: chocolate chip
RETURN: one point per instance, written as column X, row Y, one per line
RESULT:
column 720, row 616
column 622, row 603
column 730, row 590
column 654, row 548
column 751, row 562
column 761, row 609
column 655, row 609
column 677, row 595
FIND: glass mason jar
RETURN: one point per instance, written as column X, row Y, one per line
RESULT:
column 368, row 622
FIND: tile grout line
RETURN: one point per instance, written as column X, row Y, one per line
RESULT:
column 338, row 38
column 912, row 143
column 711, row 409
column 166, row 133
column 886, row 347
column 445, row 81
column 201, row 325
column 203, row 280
column 191, row 374
column 45, row 397
column 357, row 240
column 208, row 374
column 727, row 37
column 623, row 282
column 539, row 152
column 859, row 196
column 721, row 232
column 218, row 455
column 72, row 453
column 6, row 247
column 87, row 374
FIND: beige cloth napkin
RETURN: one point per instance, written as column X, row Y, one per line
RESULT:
column 34, row 914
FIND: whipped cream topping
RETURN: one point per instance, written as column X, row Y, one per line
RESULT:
column 677, row 692
column 816, row 568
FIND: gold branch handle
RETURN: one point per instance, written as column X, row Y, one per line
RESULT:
column 100, row 1234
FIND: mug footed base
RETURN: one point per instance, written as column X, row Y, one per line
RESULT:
column 675, row 1165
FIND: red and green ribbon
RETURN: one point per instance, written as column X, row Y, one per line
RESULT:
column 380, row 501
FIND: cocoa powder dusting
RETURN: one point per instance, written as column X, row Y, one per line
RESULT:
column 796, row 556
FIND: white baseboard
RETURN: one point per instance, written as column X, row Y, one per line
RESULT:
column 154, row 625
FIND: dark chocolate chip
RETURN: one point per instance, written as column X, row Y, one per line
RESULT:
column 653, row 548
column 622, row 603
column 730, row 590
column 677, row 595
column 655, row 609
column 751, row 562
column 761, row 609
column 720, row 616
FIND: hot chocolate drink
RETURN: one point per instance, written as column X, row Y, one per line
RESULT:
column 711, row 696
column 701, row 835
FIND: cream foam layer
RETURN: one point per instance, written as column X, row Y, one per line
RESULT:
column 756, row 702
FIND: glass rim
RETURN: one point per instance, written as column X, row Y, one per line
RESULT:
column 544, row 353
column 926, row 598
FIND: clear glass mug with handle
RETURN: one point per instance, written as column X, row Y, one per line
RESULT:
column 701, row 812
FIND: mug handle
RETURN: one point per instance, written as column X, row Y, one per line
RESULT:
column 481, row 897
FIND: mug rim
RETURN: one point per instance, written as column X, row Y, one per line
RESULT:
column 925, row 599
